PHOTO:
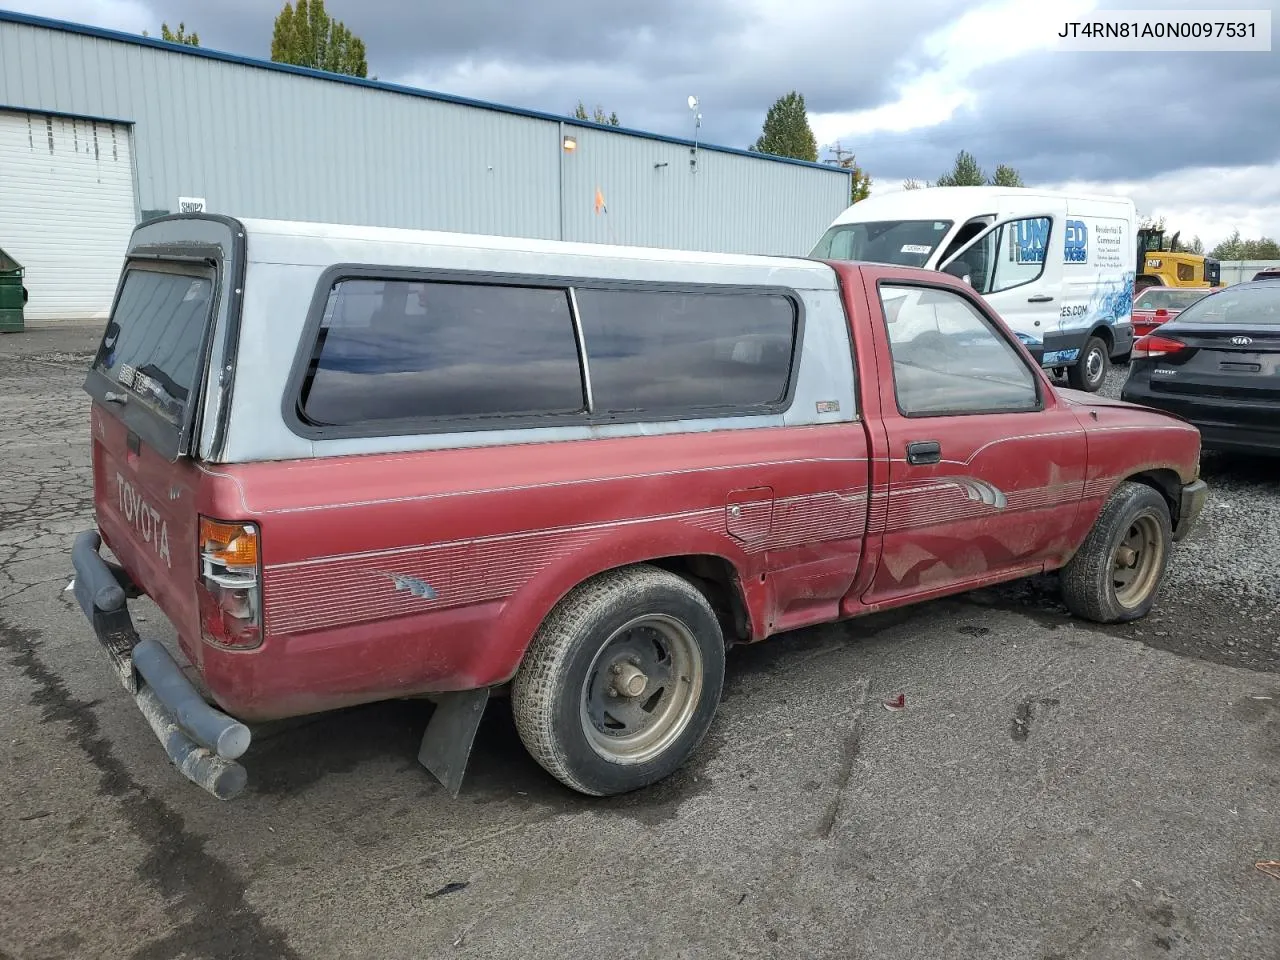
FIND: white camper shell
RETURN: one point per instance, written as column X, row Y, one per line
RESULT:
column 1057, row 267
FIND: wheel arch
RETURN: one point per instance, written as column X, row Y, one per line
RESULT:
column 1166, row 482
column 1106, row 335
column 712, row 563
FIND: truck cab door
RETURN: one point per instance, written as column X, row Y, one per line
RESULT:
column 1016, row 264
column 986, row 465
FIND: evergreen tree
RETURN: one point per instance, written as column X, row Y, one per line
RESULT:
column 787, row 132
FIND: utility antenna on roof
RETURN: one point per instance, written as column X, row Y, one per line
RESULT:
column 697, row 125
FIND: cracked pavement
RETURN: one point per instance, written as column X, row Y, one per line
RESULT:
column 1049, row 791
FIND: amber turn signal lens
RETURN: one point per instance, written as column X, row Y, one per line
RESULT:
column 229, row 544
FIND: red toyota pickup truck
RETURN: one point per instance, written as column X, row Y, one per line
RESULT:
column 353, row 464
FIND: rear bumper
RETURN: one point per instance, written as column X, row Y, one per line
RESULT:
column 1224, row 426
column 1191, row 502
column 200, row 740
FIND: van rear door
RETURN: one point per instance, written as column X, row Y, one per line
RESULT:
column 147, row 385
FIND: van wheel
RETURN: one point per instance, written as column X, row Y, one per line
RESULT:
column 1114, row 576
column 1090, row 371
column 621, row 681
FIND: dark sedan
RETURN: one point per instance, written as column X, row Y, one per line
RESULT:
column 1217, row 364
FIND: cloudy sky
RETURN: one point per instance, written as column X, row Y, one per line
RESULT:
column 1192, row 137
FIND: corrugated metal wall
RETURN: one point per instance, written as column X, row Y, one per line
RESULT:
column 261, row 142
column 1238, row 271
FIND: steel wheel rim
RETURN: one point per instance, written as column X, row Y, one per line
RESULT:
column 1135, row 563
column 1093, row 364
column 627, row 727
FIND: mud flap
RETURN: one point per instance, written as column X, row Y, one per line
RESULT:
column 450, row 733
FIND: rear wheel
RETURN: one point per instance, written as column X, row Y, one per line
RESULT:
column 621, row 682
column 1116, row 573
column 1090, row 371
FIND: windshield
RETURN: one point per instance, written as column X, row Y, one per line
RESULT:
column 1154, row 298
column 152, row 343
column 906, row 243
column 1242, row 305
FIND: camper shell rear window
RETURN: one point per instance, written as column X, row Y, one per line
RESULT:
column 424, row 354
column 154, row 339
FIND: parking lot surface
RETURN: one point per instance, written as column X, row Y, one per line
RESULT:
column 1051, row 789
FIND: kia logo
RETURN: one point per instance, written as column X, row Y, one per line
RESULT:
column 1241, row 341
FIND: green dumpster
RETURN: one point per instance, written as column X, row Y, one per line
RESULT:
column 13, row 295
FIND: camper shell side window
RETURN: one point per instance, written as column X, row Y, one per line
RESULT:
column 396, row 352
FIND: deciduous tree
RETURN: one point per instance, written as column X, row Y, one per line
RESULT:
column 306, row 36
column 177, row 36
column 597, row 115
column 1236, row 248
column 859, row 181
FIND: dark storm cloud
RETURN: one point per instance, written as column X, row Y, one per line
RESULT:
column 1082, row 116
column 640, row 60
column 1101, row 116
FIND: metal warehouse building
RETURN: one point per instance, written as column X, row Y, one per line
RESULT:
column 99, row 130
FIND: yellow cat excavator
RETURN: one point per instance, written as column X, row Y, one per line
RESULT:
column 1158, row 267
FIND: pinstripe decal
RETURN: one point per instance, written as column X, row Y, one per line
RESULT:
column 356, row 588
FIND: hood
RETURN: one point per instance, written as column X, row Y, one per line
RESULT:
column 1078, row 398
column 1086, row 401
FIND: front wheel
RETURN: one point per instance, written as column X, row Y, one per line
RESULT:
column 621, row 682
column 1090, row 372
column 1116, row 573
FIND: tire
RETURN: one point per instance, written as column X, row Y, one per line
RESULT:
column 565, row 687
column 1089, row 373
column 1135, row 514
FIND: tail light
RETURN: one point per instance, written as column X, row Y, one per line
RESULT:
column 1154, row 345
column 1162, row 314
column 230, row 585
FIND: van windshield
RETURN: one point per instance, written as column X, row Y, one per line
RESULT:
column 152, row 343
column 906, row 243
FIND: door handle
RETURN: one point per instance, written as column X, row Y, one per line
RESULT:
column 924, row 451
column 1042, row 298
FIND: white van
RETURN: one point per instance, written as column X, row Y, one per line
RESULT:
column 1057, row 267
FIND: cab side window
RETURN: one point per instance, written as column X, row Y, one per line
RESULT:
column 949, row 359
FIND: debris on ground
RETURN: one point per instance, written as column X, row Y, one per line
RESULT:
column 447, row 889
column 1270, row 867
column 898, row 702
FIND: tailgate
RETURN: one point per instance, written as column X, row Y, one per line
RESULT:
column 146, row 511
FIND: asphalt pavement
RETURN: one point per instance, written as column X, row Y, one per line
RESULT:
column 1051, row 790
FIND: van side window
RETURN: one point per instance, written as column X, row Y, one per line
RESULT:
column 947, row 357
column 407, row 350
column 1011, row 255
column 666, row 352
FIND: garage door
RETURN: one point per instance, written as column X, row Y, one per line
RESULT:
column 66, row 210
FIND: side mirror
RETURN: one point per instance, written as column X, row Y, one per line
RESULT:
column 958, row 268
